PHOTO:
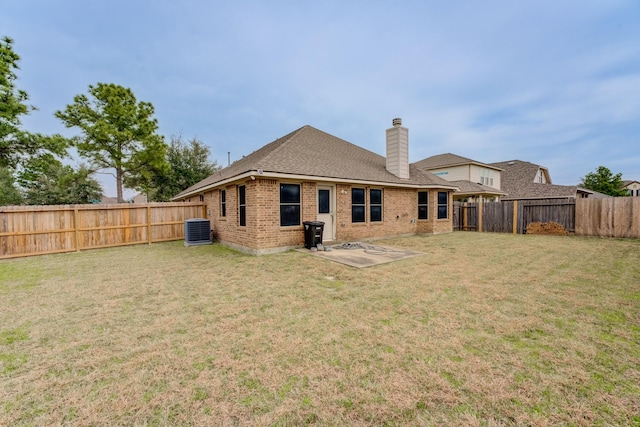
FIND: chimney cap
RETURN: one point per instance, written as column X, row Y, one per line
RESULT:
column 397, row 122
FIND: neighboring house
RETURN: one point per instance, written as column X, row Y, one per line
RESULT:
column 524, row 181
column 107, row 200
column 632, row 187
column 139, row 198
column 477, row 181
column 259, row 203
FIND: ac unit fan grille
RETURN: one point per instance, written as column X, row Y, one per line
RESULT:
column 197, row 232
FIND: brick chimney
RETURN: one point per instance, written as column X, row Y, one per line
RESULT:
column 398, row 150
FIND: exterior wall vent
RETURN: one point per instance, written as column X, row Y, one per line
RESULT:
column 197, row 231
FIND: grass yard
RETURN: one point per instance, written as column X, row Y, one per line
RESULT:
column 485, row 329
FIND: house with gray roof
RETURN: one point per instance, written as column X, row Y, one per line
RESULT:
column 476, row 181
column 259, row 204
column 526, row 181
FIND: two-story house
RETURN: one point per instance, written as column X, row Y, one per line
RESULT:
column 477, row 181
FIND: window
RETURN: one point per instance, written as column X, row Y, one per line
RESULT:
column 485, row 180
column 443, row 205
column 375, row 205
column 357, row 205
column 223, row 202
column 324, row 205
column 242, row 205
column 423, row 205
column 202, row 197
column 289, row 204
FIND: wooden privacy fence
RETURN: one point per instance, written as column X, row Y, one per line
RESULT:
column 608, row 217
column 513, row 216
column 561, row 211
column 39, row 230
column 465, row 216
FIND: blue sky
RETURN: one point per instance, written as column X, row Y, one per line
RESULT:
column 552, row 82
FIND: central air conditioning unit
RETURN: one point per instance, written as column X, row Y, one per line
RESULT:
column 197, row 231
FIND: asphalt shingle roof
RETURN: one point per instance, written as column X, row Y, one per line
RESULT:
column 518, row 182
column 312, row 152
column 468, row 187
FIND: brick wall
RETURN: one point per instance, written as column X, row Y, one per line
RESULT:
column 263, row 232
column 400, row 215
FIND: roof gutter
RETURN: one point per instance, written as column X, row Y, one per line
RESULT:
column 259, row 173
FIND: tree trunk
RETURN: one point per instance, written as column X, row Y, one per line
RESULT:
column 119, row 184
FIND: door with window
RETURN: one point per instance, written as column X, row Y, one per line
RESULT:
column 326, row 212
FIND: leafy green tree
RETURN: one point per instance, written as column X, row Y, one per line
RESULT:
column 9, row 194
column 116, row 132
column 188, row 164
column 16, row 143
column 46, row 181
column 604, row 181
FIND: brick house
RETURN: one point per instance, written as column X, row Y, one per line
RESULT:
column 259, row 203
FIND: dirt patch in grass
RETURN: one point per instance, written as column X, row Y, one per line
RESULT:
column 488, row 329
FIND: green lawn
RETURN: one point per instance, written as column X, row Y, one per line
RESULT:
column 485, row 329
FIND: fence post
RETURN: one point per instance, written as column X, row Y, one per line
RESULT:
column 76, row 230
column 480, row 203
column 204, row 210
column 149, row 224
column 465, row 219
column 515, row 217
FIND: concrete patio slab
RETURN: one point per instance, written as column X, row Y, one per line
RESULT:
column 359, row 255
